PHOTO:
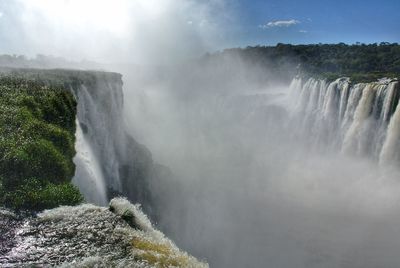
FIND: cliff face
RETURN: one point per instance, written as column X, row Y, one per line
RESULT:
column 111, row 153
column 108, row 160
column 59, row 126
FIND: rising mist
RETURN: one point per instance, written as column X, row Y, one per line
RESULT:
column 247, row 188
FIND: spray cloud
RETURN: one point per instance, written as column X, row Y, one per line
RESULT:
column 247, row 189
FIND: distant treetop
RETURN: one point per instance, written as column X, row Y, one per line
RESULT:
column 361, row 62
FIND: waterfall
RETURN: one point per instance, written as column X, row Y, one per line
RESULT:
column 88, row 174
column 354, row 135
column 352, row 102
column 360, row 119
column 99, row 116
column 390, row 150
column 109, row 162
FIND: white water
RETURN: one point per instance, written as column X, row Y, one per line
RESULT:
column 88, row 174
column 355, row 119
column 354, row 134
column 91, row 236
column 99, row 112
column 109, row 162
column 263, row 179
column 390, row 149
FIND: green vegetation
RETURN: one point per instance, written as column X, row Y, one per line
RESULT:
column 36, row 195
column 362, row 63
column 37, row 135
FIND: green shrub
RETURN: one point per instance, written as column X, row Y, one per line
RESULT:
column 37, row 135
column 36, row 195
column 38, row 159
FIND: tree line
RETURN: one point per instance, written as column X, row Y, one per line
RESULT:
column 361, row 61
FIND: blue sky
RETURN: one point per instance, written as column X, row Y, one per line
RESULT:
column 317, row 21
column 173, row 30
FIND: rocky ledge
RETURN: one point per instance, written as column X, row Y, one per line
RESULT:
column 88, row 236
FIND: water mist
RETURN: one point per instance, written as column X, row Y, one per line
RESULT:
column 284, row 174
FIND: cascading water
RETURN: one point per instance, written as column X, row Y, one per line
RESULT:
column 359, row 119
column 88, row 174
column 390, row 149
column 264, row 176
column 98, row 116
column 108, row 162
column 353, row 139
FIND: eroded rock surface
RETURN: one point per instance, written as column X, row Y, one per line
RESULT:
column 9, row 223
column 88, row 236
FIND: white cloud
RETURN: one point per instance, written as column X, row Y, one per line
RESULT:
column 280, row 23
column 1, row 15
column 303, row 31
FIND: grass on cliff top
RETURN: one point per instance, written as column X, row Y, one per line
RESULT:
column 61, row 78
column 158, row 255
column 37, row 136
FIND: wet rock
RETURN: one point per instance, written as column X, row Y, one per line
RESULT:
column 9, row 223
column 88, row 236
